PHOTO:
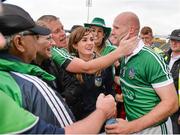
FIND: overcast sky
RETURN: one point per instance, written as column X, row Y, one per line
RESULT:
column 162, row 15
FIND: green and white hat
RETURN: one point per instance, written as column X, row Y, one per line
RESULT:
column 100, row 23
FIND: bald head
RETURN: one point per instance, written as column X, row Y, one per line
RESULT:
column 129, row 19
column 125, row 23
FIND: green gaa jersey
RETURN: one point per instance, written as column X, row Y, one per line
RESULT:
column 140, row 73
column 60, row 55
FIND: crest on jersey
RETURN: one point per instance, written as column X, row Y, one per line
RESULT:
column 131, row 73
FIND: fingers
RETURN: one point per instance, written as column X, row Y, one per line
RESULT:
column 133, row 38
column 110, row 126
column 110, row 129
column 125, row 36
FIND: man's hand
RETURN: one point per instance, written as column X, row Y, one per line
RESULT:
column 106, row 104
column 121, row 127
column 127, row 45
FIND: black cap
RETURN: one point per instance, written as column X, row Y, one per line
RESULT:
column 14, row 19
column 175, row 35
column 73, row 28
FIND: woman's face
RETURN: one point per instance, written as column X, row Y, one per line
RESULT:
column 85, row 46
column 99, row 35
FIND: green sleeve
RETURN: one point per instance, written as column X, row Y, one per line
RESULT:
column 60, row 55
column 13, row 118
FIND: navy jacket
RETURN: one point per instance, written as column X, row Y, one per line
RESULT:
column 37, row 96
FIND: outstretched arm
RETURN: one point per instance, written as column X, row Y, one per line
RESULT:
column 105, row 108
column 167, row 106
column 126, row 47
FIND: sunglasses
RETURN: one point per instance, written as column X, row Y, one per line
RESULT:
column 26, row 33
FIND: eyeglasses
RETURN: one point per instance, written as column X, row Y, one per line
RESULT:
column 26, row 33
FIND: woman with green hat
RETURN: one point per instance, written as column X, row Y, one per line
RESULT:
column 101, row 34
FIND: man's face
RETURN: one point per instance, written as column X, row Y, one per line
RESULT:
column 175, row 45
column 26, row 44
column 58, row 33
column 44, row 47
column 119, row 31
column 147, row 39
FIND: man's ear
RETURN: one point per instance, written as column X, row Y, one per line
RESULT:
column 18, row 43
column 133, row 30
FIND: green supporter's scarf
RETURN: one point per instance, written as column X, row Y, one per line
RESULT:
column 9, row 85
column 14, row 119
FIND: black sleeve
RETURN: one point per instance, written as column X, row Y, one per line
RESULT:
column 72, row 90
column 65, row 64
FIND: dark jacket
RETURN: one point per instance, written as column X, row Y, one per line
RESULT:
column 37, row 96
column 175, row 74
column 52, row 68
column 175, row 68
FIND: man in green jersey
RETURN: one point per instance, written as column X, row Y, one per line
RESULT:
column 148, row 91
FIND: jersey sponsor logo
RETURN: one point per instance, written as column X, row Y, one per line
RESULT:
column 129, row 94
column 131, row 73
